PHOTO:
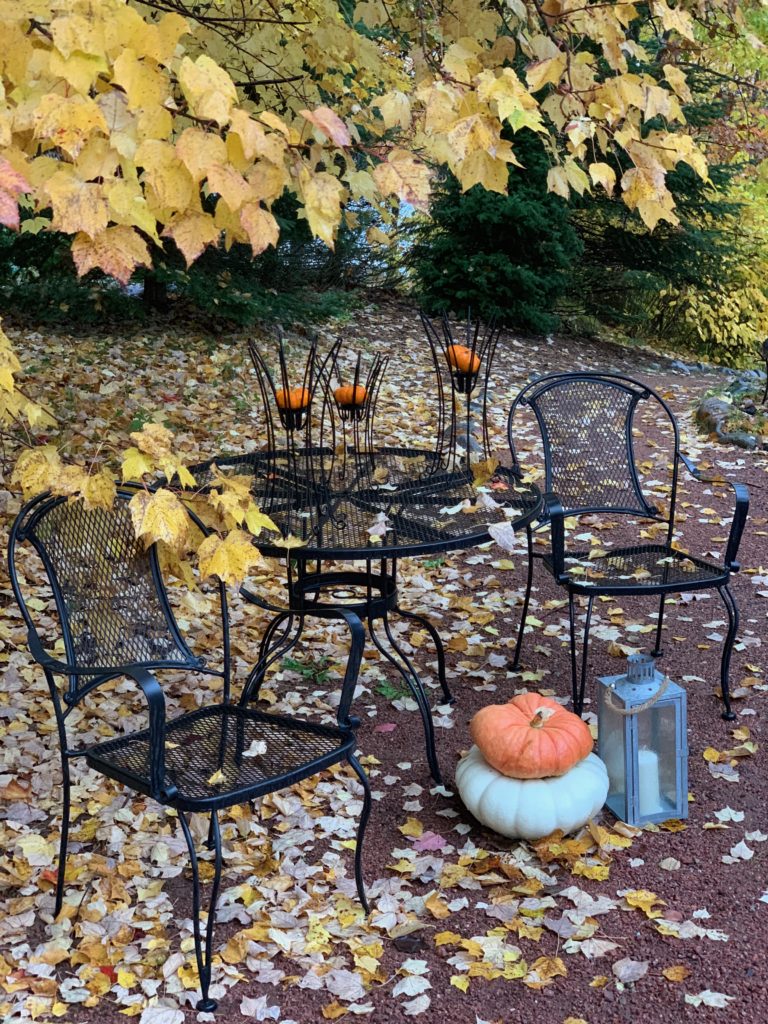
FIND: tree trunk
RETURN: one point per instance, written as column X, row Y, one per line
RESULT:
column 155, row 293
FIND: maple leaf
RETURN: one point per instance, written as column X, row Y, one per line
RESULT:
column 160, row 517
column 99, row 490
column 322, row 199
column 261, row 227
column 230, row 559
column 12, row 184
column 117, row 251
column 404, row 176
column 329, row 123
column 208, row 88
column 193, row 233
column 37, row 470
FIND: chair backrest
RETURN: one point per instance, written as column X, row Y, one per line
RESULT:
column 587, row 423
column 111, row 600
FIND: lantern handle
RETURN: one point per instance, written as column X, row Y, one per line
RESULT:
column 626, row 712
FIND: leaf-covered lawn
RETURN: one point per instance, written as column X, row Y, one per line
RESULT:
column 610, row 925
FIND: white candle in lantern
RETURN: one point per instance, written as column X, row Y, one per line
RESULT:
column 648, row 777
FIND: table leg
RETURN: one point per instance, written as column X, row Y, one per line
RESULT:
column 426, row 624
column 397, row 657
column 270, row 649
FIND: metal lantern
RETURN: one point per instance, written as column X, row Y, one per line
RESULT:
column 642, row 738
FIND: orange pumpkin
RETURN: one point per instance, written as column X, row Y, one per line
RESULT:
column 531, row 737
column 462, row 358
column 350, row 394
column 297, row 398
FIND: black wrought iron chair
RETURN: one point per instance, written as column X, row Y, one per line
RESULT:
column 587, row 423
column 116, row 620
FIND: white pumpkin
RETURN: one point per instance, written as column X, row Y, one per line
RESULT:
column 531, row 808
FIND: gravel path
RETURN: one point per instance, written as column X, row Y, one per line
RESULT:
column 320, row 961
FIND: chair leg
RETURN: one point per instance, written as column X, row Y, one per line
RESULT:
column 364, row 815
column 733, row 624
column 578, row 680
column 574, row 673
column 657, row 651
column 584, row 655
column 64, row 838
column 526, row 602
column 204, row 956
column 424, row 621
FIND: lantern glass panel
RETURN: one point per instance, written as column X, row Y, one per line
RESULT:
column 657, row 763
column 612, row 749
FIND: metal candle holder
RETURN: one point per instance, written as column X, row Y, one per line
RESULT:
column 295, row 467
column 359, row 412
column 467, row 364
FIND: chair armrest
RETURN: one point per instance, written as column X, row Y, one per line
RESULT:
column 740, row 512
column 552, row 511
column 153, row 694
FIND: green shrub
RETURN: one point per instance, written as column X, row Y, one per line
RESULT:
column 507, row 257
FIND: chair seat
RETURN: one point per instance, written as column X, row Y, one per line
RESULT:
column 635, row 570
column 219, row 756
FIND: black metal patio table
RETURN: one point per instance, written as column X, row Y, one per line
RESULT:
column 371, row 506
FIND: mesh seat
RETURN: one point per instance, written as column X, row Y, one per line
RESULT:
column 219, row 756
column 635, row 569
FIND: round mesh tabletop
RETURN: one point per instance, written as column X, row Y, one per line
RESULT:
column 377, row 504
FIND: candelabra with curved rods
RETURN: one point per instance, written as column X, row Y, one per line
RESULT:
column 468, row 365
column 295, row 473
column 355, row 404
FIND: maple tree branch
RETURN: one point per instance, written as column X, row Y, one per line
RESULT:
column 215, row 19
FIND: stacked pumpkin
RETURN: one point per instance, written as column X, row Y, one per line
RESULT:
column 532, row 769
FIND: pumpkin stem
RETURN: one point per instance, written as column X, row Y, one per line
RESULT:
column 541, row 716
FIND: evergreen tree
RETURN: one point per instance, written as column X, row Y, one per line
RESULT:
column 507, row 257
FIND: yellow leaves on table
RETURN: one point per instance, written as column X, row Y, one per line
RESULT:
column 230, row 559
column 160, row 517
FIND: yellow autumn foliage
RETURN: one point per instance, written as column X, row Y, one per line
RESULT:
column 125, row 123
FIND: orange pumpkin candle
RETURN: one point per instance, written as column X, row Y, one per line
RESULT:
column 531, row 737
column 350, row 394
column 296, row 398
column 462, row 358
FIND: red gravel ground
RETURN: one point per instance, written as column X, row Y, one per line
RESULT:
column 729, row 893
